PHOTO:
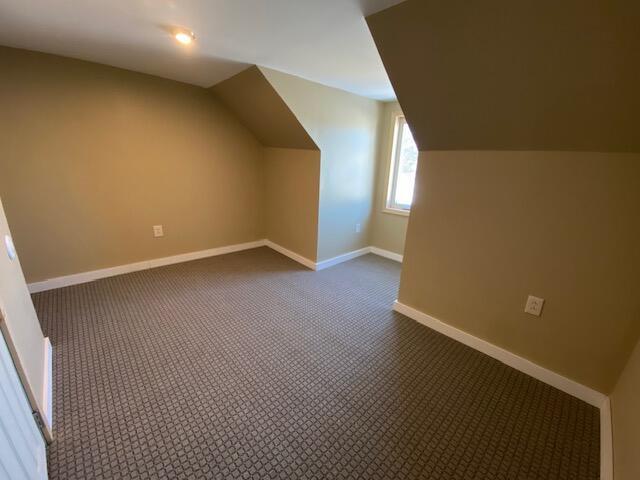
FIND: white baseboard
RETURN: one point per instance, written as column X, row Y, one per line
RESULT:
column 564, row 384
column 545, row 375
column 357, row 253
column 387, row 254
column 342, row 258
column 84, row 277
column 606, row 441
column 292, row 255
column 330, row 262
column 47, row 390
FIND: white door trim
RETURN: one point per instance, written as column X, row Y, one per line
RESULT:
column 23, row 447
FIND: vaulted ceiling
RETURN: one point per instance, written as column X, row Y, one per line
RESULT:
column 326, row 41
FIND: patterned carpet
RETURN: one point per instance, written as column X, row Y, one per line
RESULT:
column 248, row 366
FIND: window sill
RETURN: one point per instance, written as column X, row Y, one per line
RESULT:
column 396, row 211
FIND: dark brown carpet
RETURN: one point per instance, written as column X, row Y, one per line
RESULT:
column 249, row 366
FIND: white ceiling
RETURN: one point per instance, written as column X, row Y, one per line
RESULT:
column 326, row 41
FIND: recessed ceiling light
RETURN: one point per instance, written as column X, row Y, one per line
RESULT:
column 185, row 37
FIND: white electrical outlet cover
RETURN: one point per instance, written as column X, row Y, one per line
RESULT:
column 534, row 305
column 11, row 249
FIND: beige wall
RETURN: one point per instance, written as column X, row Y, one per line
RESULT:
column 515, row 75
column 289, row 112
column 344, row 126
column 388, row 230
column 20, row 322
column 292, row 197
column 292, row 171
column 489, row 228
column 253, row 99
column 625, row 402
column 93, row 156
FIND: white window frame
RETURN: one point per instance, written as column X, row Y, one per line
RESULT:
column 390, row 206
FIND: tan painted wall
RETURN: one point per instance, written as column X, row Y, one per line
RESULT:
column 626, row 420
column 292, row 197
column 292, row 171
column 20, row 319
column 489, row 228
column 252, row 98
column 388, row 230
column 515, row 75
column 93, row 156
column 344, row 126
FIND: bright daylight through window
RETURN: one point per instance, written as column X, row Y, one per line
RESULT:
column 402, row 173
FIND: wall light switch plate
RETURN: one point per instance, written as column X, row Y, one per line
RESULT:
column 158, row 231
column 534, row 305
column 358, row 228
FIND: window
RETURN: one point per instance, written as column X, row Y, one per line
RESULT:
column 402, row 170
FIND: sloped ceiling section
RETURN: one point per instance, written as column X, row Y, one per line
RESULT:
column 261, row 109
column 525, row 75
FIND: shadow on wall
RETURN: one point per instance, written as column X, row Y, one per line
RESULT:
column 292, row 160
column 344, row 126
column 289, row 114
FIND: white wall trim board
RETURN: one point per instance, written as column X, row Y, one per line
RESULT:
column 292, row 255
column 545, row 375
column 606, row 441
column 330, row 262
column 387, row 254
column 85, row 277
column 564, row 384
column 356, row 253
column 47, row 389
